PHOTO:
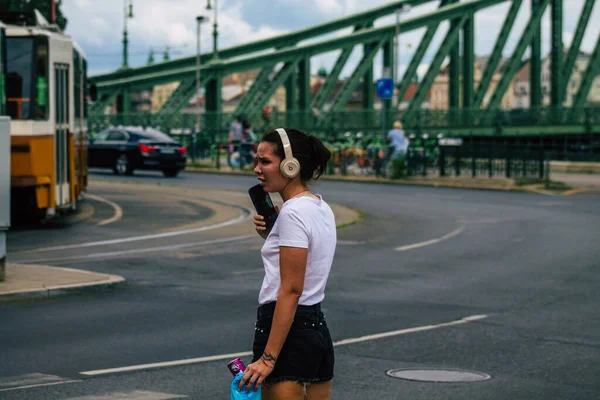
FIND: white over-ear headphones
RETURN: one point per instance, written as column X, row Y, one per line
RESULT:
column 289, row 166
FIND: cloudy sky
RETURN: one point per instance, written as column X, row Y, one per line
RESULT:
column 98, row 27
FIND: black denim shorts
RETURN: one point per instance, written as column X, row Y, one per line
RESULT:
column 307, row 353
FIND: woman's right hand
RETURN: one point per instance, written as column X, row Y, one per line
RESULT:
column 261, row 226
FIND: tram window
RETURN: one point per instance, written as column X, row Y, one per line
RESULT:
column 19, row 76
column 77, row 83
column 41, row 100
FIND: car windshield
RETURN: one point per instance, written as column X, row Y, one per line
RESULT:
column 151, row 134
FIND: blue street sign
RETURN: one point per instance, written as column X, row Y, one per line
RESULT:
column 385, row 88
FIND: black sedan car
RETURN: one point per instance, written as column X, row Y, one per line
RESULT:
column 127, row 149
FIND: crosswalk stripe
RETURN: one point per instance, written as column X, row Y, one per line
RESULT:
column 136, row 395
column 31, row 380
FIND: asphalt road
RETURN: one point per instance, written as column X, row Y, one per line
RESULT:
column 524, row 267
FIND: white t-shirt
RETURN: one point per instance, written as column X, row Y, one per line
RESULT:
column 308, row 223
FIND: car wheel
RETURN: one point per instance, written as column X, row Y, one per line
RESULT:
column 123, row 165
column 171, row 172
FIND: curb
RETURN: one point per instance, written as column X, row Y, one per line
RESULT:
column 384, row 181
column 110, row 283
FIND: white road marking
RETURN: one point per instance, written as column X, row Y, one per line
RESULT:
column 350, row 242
column 136, row 251
column 430, row 242
column 31, row 381
column 231, row 356
column 461, row 321
column 477, row 221
column 135, row 395
column 245, row 215
column 118, row 210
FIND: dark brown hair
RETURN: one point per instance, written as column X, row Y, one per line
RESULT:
column 307, row 149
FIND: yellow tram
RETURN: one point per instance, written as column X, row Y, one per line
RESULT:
column 46, row 84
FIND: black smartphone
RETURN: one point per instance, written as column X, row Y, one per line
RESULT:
column 263, row 205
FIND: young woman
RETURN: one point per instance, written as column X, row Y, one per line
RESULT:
column 293, row 351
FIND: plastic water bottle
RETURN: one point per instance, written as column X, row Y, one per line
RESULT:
column 237, row 368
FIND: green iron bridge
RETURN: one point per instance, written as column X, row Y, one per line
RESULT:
column 473, row 109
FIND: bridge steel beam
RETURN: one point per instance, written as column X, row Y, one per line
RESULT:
column 468, row 65
column 304, row 84
column 515, row 60
column 388, row 64
column 417, row 57
column 368, row 91
column 286, row 54
column 584, row 18
column 416, row 60
column 434, row 67
column 291, row 91
column 260, row 83
column 323, row 93
column 454, row 70
column 535, row 66
column 496, row 56
column 556, row 54
column 331, row 80
column 288, row 40
column 180, row 96
column 363, row 66
column 288, row 69
column 593, row 68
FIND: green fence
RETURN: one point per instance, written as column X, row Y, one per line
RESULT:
column 370, row 121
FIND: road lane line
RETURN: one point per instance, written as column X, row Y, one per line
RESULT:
column 118, row 210
column 32, row 380
column 230, row 356
column 40, row 385
column 245, row 215
column 366, row 338
column 430, row 242
column 136, row 251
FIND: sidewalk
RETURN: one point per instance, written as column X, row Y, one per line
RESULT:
column 39, row 281
column 580, row 181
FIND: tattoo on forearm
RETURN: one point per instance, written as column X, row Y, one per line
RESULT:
column 269, row 357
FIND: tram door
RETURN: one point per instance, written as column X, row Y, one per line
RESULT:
column 61, row 139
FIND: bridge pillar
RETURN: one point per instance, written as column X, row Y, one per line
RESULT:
column 454, row 74
column 291, row 97
column 304, row 97
column 535, row 76
column 368, row 88
column 124, row 105
column 467, row 67
column 388, row 64
column 213, row 105
column 556, row 56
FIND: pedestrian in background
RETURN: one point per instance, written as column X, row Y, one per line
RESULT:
column 397, row 140
column 235, row 131
column 247, row 144
column 293, row 351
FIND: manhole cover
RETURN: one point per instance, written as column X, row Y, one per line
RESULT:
column 437, row 375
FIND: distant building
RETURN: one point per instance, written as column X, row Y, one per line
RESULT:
column 521, row 83
column 439, row 89
column 161, row 93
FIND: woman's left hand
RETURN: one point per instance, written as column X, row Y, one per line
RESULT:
column 255, row 374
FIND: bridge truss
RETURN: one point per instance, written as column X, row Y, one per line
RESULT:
column 473, row 107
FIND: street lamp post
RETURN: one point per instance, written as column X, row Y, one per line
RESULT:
column 200, row 19
column 128, row 13
column 215, row 26
column 396, row 74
